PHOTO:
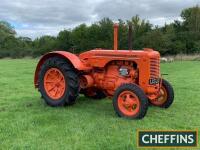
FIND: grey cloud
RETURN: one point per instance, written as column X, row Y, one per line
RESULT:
column 147, row 9
column 45, row 11
column 39, row 17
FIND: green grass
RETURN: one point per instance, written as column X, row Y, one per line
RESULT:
column 27, row 123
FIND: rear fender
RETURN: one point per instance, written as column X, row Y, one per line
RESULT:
column 72, row 58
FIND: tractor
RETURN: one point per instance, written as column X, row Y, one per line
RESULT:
column 131, row 78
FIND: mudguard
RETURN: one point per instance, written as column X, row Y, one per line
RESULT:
column 72, row 58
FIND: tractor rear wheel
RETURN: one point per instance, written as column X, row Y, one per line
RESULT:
column 166, row 97
column 58, row 82
column 130, row 101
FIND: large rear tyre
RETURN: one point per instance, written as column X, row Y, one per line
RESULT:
column 166, row 96
column 58, row 82
column 130, row 101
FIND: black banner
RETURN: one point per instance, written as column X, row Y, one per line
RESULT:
column 167, row 138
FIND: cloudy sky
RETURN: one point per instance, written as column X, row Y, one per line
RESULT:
column 34, row 18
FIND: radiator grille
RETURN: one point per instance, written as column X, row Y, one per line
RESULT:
column 154, row 67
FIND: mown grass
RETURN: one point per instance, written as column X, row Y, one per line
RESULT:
column 27, row 123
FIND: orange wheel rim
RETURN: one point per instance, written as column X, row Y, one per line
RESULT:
column 54, row 83
column 162, row 97
column 128, row 103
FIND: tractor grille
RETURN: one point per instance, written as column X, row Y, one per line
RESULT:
column 154, row 67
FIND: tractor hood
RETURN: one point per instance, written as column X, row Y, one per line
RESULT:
column 100, row 57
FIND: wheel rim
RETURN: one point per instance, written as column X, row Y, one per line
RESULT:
column 162, row 97
column 128, row 103
column 54, row 83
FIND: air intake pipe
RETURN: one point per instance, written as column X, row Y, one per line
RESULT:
column 116, row 26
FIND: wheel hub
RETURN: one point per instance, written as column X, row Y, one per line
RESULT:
column 162, row 98
column 54, row 83
column 128, row 103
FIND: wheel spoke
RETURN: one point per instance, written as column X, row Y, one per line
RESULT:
column 58, row 77
column 131, row 100
column 49, row 81
column 52, row 88
column 134, row 102
column 121, row 99
column 61, row 80
column 161, row 98
column 130, row 108
column 54, row 83
column 56, row 91
column 162, row 92
column 128, row 96
column 50, row 75
column 52, row 92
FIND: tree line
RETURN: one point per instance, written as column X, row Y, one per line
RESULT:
column 171, row 39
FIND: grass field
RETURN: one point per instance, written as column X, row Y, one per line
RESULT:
column 27, row 123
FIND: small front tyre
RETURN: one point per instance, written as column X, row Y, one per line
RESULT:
column 130, row 102
column 166, row 96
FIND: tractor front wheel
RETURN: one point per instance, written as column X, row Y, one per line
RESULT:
column 166, row 96
column 130, row 101
column 58, row 82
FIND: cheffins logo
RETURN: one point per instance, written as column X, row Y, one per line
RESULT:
column 164, row 139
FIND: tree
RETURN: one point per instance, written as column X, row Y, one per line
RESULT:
column 123, row 34
column 44, row 44
column 64, row 40
column 6, row 30
column 188, row 31
column 79, row 38
column 140, row 28
column 105, row 33
column 191, row 18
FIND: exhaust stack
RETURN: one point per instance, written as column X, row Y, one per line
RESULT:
column 116, row 26
column 130, row 36
column 130, row 30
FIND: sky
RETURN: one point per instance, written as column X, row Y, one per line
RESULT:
column 34, row 18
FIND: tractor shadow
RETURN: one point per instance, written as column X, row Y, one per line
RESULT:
column 102, row 107
column 93, row 108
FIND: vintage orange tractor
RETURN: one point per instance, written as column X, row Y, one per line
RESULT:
column 131, row 77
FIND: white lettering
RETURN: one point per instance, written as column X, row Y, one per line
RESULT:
column 143, row 140
column 183, row 138
column 190, row 138
column 172, row 138
column 153, row 139
column 160, row 138
column 166, row 138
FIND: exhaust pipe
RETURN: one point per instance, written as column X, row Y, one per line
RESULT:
column 116, row 26
column 130, row 30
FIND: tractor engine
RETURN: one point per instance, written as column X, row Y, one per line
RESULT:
column 111, row 77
